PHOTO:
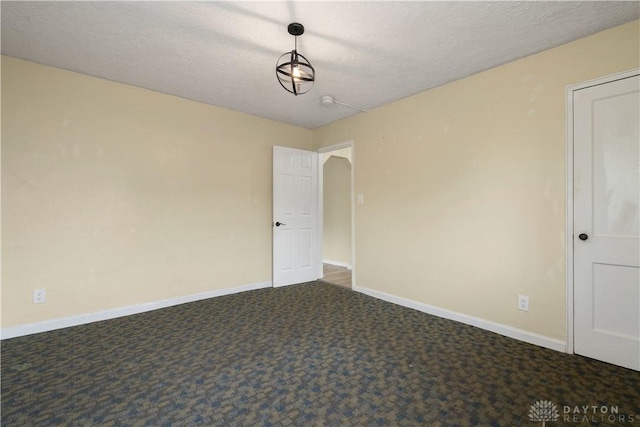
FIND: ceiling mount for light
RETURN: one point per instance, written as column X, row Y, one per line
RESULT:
column 330, row 100
column 295, row 73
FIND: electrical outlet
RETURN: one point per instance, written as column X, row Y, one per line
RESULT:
column 39, row 296
column 523, row 302
column 360, row 198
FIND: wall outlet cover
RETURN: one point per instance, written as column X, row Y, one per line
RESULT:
column 523, row 302
column 39, row 296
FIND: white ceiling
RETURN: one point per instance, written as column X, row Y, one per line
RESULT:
column 365, row 53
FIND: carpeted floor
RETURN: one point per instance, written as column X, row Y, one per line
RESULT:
column 304, row 355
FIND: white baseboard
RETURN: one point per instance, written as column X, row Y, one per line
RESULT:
column 65, row 322
column 337, row 263
column 498, row 328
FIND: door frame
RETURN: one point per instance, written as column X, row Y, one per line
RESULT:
column 334, row 147
column 569, row 146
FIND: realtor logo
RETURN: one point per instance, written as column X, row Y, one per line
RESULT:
column 543, row 410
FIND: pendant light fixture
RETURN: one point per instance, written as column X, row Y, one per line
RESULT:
column 295, row 73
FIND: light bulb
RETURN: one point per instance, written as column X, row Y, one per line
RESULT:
column 296, row 72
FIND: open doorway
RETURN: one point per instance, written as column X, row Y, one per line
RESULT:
column 336, row 166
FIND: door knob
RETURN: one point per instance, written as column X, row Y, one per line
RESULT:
column 583, row 236
column 278, row 223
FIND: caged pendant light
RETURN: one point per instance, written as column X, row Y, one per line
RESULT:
column 295, row 73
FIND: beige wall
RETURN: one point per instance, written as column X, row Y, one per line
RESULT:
column 464, row 185
column 114, row 195
column 337, row 210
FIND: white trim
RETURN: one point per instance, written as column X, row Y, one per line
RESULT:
column 498, row 328
column 337, row 263
column 569, row 217
column 335, row 147
column 320, row 215
column 65, row 322
column 328, row 149
column 353, row 214
column 569, row 190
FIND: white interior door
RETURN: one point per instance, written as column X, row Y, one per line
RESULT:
column 295, row 216
column 606, row 222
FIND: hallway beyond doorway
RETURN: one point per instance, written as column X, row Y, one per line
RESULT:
column 336, row 275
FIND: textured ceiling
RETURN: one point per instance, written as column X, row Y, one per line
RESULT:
column 224, row 53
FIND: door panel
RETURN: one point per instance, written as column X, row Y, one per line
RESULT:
column 607, row 222
column 295, row 195
column 615, row 294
